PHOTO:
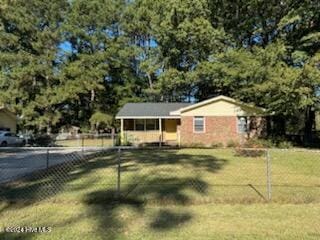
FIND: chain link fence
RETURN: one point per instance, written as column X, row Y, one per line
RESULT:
column 295, row 175
column 107, row 192
column 75, row 140
column 159, row 175
column 56, row 174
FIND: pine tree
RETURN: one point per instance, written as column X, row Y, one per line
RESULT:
column 29, row 45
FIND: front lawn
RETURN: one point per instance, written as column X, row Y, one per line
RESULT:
column 170, row 194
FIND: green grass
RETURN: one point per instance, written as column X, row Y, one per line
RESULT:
column 170, row 194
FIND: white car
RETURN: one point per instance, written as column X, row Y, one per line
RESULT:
column 10, row 139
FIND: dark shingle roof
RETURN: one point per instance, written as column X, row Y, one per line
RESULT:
column 149, row 109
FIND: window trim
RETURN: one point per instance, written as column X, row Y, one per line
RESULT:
column 204, row 124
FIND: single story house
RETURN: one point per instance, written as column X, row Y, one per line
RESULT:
column 219, row 120
column 8, row 120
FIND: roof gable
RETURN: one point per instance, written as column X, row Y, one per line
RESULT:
column 242, row 107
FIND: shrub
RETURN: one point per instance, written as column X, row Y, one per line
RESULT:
column 197, row 145
column 43, row 140
column 285, row 144
column 194, row 145
column 232, row 144
column 267, row 143
column 216, row 145
column 243, row 152
column 253, row 143
column 251, row 148
column 127, row 140
column 276, row 143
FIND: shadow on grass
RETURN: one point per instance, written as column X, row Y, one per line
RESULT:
column 195, row 161
column 166, row 220
column 104, row 204
column 106, row 209
column 43, row 184
column 154, row 187
column 170, row 190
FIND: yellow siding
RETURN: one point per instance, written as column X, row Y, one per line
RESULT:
column 137, row 137
column 170, row 129
column 219, row 108
column 7, row 121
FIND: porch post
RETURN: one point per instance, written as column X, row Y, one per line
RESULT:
column 122, row 132
column 160, row 132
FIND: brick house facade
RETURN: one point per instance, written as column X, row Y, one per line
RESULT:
column 218, row 130
column 219, row 120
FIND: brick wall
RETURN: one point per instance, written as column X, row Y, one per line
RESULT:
column 218, row 129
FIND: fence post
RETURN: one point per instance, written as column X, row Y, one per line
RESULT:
column 269, row 186
column 112, row 137
column 47, row 158
column 82, row 143
column 102, row 143
column 119, row 173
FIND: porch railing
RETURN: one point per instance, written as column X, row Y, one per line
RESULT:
column 137, row 137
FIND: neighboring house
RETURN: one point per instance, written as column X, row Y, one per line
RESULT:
column 217, row 120
column 8, row 120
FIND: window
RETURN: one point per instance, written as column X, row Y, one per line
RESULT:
column 146, row 124
column 198, row 124
column 139, row 124
column 128, row 124
column 152, row 124
column 243, row 126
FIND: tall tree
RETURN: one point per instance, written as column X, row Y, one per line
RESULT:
column 29, row 62
column 66, row 62
column 98, row 75
column 182, row 36
column 252, row 22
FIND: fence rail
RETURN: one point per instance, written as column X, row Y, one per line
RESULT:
column 72, row 140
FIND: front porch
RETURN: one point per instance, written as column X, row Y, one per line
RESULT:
column 151, row 130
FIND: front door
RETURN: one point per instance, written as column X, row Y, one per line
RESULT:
column 170, row 129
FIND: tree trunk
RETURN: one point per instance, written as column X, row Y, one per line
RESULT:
column 279, row 128
column 150, row 81
column 308, row 125
column 268, row 126
column 93, row 95
column 49, row 129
